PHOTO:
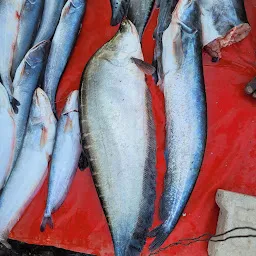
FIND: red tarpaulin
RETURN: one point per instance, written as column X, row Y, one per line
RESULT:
column 229, row 162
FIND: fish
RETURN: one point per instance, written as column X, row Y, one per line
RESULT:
column 186, row 114
column 118, row 138
column 49, row 21
column 139, row 13
column 25, row 82
column 28, row 22
column 30, row 170
column 65, row 157
column 7, row 131
column 166, row 8
column 223, row 24
column 62, row 45
column 119, row 11
column 9, row 26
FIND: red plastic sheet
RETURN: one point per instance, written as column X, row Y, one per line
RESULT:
column 229, row 162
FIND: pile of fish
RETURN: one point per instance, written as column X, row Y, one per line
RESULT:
column 36, row 42
column 113, row 110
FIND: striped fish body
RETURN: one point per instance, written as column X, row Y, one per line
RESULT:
column 118, row 136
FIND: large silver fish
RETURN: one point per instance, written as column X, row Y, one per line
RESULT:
column 31, row 168
column 7, row 131
column 25, row 83
column 185, row 106
column 119, row 11
column 9, row 26
column 118, row 137
column 29, row 18
column 62, row 45
column 223, row 23
column 50, row 19
column 139, row 13
column 66, row 154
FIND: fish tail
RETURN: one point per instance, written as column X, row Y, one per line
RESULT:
column 118, row 13
column 160, row 233
column 46, row 220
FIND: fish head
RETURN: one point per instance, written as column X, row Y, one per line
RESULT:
column 4, row 99
column 72, row 103
column 41, row 111
column 126, row 42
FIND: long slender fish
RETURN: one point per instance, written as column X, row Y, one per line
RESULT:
column 224, row 23
column 25, row 83
column 9, row 26
column 7, row 131
column 119, row 11
column 29, row 18
column 50, row 19
column 31, row 168
column 139, row 13
column 62, row 45
column 185, row 105
column 66, row 154
column 118, row 138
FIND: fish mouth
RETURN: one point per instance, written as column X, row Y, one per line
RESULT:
column 127, row 26
column 72, row 103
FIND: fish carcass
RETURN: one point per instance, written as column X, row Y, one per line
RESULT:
column 65, row 157
column 7, row 131
column 62, row 45
column 185, row 105
column 31, row 167
column 28, row 22
column 24, row 84
column 118, row 137
column 139, row 13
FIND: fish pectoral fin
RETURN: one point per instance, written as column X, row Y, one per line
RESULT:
column 15, row 103
column 83, row 162
column 44, row 136
column 68, row 125
column 144, row 66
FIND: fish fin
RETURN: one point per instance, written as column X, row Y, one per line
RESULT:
column 15, row 103
column 160, row 233
column 144, row 66
column 68, row 125
column 5, row 243
column 83, row 162
column 119, row 13
column 44, row 136
column 46, row 220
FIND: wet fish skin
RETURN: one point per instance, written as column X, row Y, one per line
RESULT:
column 185, row 105
column 7, row 130
column 139, row 13
column 29, row 18
column 9, row 25
column 30, row 170
column 66, row 154
column 62, row 45
column 118, row 137
column 25, row 83
column 119, row 11
column 50, row 19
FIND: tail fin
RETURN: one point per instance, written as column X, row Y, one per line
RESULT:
column 161, row 233
column 119, row 11
column 46, row 220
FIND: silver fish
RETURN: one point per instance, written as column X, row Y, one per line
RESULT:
column 139, row 13
column 9, row 26
column 31, row 168
column 50, row 19
column 119, row 11
column 118, row 137
column 25, row 83
column 66, row 154
column 223, row 23
column 62, row 45
column 185, row 106
column 7, row 131
column 29, row 18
